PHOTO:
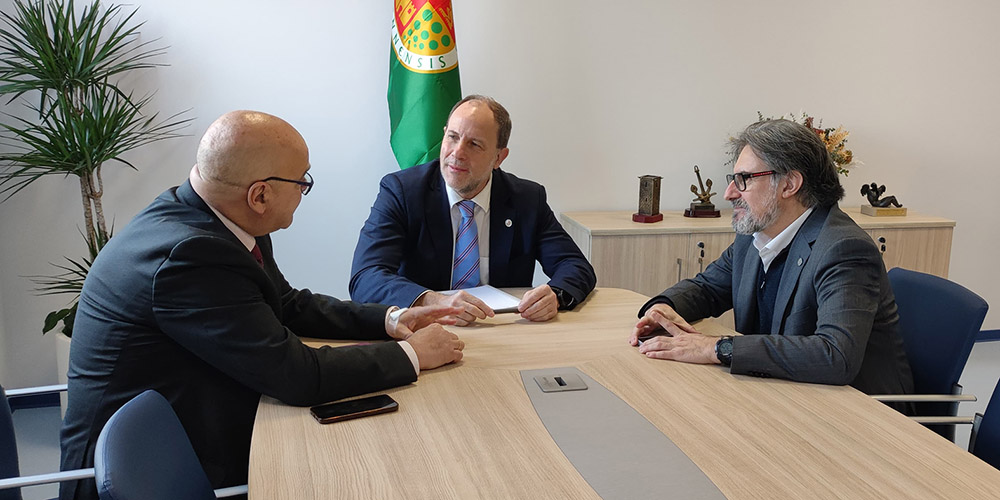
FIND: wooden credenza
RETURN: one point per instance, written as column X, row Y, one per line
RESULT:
column 648, row 258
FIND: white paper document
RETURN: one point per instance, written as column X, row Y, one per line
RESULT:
column 498, row 300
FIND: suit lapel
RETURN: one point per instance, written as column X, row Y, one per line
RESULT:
column 501, row 236
column 437, row 223
column 187, row 195
column 746, row 296
column 267, row 251
column 798, row 255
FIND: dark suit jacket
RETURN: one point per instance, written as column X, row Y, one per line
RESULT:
column 176, row 303
column 834, row 320
column 406, row 245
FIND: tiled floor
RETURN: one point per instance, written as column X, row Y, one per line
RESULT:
column 38, row 429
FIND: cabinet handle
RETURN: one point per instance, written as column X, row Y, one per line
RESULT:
column 881, row 240
column 679, row 264
column 701, row 256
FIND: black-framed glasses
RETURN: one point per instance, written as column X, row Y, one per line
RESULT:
column 741, row 178
column 305, row 185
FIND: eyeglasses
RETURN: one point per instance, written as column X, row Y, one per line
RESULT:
column 741, row 178
column 305, row 185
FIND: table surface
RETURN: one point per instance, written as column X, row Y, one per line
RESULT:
column 468, row 430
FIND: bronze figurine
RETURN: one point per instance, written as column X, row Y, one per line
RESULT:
column 874, row 193
column 702, row 206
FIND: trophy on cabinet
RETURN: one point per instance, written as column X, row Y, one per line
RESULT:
column 879, row 205
column 649, row 200
column 702, row 206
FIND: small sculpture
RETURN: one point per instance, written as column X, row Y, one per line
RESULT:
column 703, row 206
column 649, row 200
column 874, row 192
column 880, row 206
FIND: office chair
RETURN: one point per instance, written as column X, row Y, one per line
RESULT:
column 10, row 480
column 985, row 440
column 144, row 453
column 939, row 321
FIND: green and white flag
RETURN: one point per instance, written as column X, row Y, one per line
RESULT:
column 423, row 78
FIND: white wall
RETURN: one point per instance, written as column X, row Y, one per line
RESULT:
column 600, row 93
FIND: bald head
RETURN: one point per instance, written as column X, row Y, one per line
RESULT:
column 242, row 159
column 243, row 146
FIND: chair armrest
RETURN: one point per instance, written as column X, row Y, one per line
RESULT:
column 942, row 420
column 231, row 491
column 976, row 422
column 923, row 398
column 34, row 391
column 54, row 477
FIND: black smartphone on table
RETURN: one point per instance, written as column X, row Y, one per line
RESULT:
column 355, row 408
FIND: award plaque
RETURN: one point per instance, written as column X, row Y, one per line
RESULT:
column 702, row 206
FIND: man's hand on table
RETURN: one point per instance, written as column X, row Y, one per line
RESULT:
column 436, row 346
column 415, row 318
column 539, row 304
column 679, row 340
column 469, row 307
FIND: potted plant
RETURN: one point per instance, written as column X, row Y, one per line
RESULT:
column 835, row 140
column 66, row 69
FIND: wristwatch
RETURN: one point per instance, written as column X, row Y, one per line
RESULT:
column 566, row 301
column 394, row 317
column 724, row 350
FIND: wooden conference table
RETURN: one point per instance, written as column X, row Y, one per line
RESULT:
column 469, row 430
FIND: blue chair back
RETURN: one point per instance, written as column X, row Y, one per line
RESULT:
column 939, row 321
column 985, row 442
column 144, row 453
column 8, row 448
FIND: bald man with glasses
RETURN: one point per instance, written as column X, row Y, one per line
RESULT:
column 188, row 300
column 807, row 286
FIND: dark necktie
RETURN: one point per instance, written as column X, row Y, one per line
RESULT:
column 257, row 255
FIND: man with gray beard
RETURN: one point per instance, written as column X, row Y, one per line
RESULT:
column 807, row 285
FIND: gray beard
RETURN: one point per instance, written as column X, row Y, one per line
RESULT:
column 752, row 222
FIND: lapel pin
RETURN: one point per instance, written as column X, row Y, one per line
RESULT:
column 508, row 223
column 799, row 261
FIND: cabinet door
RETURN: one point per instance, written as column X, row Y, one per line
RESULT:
column 705, row 248
column 647, row 264
column 926, row 250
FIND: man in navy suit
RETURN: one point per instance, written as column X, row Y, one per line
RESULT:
column 412, row 243
column 187, row 300
column 807, row 285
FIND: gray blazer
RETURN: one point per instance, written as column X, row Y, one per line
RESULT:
column 835, row 318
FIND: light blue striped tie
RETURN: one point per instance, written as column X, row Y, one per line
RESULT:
column 465, row 274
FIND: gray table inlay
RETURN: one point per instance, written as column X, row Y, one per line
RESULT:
column 616, row 450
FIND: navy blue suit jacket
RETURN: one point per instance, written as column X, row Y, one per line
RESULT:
column 406, row 245
column 176, row 303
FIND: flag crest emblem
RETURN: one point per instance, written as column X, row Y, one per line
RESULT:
column 423, row 35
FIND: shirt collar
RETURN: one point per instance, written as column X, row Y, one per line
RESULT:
column 770, row 248
column 244, row 237
column 482, row 199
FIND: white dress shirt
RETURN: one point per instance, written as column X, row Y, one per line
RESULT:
column 770, row 248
